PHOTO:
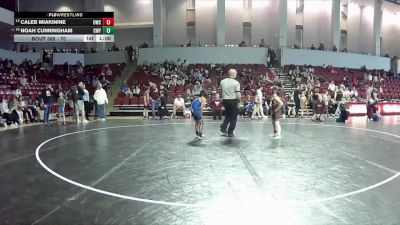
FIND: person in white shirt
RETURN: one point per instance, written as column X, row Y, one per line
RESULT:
column 179, row 104
column 162, row 72
column 354, row 93
column 18, row 93
column 101, row 98
column 332, row 87
column 347, row 94
column 259, row 104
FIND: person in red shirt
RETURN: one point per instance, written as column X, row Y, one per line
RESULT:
column 319, row 109
column 217, row 106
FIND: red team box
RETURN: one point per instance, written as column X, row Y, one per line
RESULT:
column 108, row 21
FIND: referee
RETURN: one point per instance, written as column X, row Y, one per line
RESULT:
column 231, row 96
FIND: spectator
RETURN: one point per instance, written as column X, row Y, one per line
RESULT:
column 10, row 116
column 262, row 44
column 129, row 49
column 179, row 104
column 162, row 110
column 326, row 100
column 125, row 89
column 188, row 96
column 86, row 102
column 47, row 100
column 197, row 89
column 197, row 75
column 154, row 98
column 216, row 104
column 291, row 107
column 189, row 44
column 319, row 109
column 26, row 114
column 23, row 81
column 78, row 102
column 303, row 103
column 146, row 102
column 296, row 99
column 101, row 98
column 109, row 72
column 347, row 94
column 258, row 108
column 312, row 47
column 321, row 47
column 17, row 93
column 334, row 48
column 339, row 96
column 136, row 90
column 332, row 86
column 174, row 81
column 61, row 108
column 105, row 83
column 242, row 44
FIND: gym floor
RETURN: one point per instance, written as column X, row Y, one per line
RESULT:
column 149, row 172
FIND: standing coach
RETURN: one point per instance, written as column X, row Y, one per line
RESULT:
column 231, row 97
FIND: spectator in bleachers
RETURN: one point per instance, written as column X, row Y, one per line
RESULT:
column 26, row 114
column 291, row 107
column 197, row 89
column 334, row 48
column 354, row 94
column 125, row 88
column 312, row 47
column 188, row 96
column 10, row 116
column 23, row 81
column 47, row 101
column 217, row 106
column 17, row 93
column 105, row 83
column 296, row 98
column 179, row 104
column 321, row 47
column 262, row 44
column 332, row 86
column 189, row 44
column 136, row 90
column 109, row 72
column 347, row 94
column 197, row 75
column 242, row 44
column 174, row 81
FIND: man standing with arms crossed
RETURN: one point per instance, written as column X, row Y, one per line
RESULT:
column 231, row 97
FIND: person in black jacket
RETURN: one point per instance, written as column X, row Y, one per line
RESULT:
column 47, row 101
column 163, row 105
column 78, row 102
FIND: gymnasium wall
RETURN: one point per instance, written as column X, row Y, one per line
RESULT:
column 391, row 29
column 204, row 55
column 336, row 59
column 317, row 23
column 265, row 22
column 206, row 20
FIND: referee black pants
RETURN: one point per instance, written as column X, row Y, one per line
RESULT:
column 231, row 112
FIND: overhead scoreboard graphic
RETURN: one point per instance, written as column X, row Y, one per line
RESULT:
column 64, row 27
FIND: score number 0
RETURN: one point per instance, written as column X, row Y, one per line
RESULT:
column 108, row 21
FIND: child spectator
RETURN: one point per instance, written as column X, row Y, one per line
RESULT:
column 61, row 108
column 216, row 105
